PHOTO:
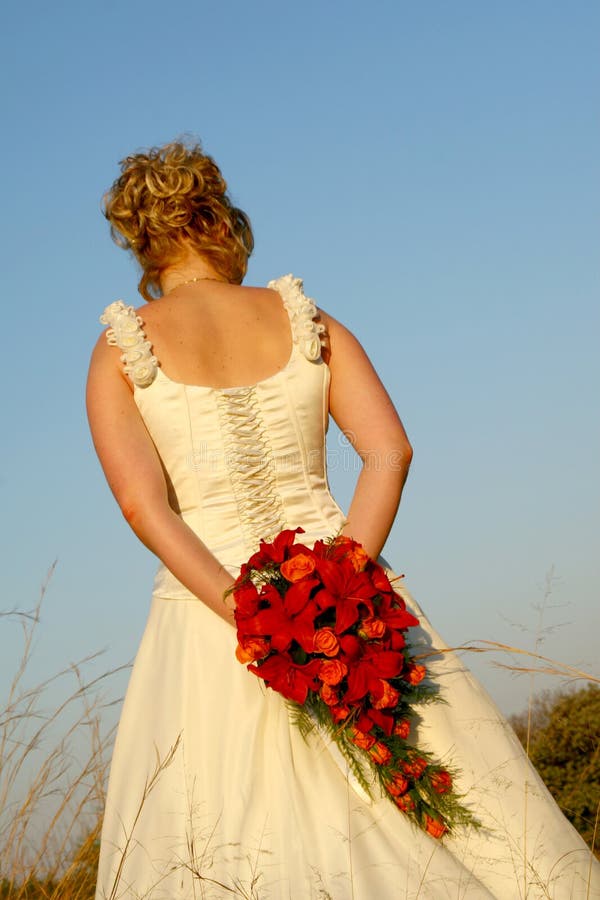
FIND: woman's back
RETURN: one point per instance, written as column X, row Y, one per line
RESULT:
column 244, row 455
column 218, row 334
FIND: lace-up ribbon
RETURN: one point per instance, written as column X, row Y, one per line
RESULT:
column 126, row 333
column 250, row 463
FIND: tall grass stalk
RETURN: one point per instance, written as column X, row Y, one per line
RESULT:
column 53, row 765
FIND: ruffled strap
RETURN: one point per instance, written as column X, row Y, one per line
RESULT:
column 308, row 335
column 126, row 333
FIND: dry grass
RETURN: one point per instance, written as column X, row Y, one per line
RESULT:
column 543, row 665
column 51, row 790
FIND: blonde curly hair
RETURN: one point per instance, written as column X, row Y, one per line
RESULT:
column 170, row 199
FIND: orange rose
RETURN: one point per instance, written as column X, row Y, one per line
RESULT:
column 402, row 729
column 250, row 649
column 339, row 713
column 406, row 803
column 380, row 754
column 296, row 568
column 359, row 558
column 332, row 671
column 434, row 827
column 415, row 767
column 352, row 551
column 441, row 782
column 329, row 695
column 361, row 740
column 398, row 786
column 416, row 674
column 326, row 642
column 372, row 628
column 389, row 697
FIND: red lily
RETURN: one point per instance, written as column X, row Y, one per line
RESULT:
column 288, row 678
column 345, row 589
column 394, row 613
column 365, row 673
column 247, row 600
column 287, row 619
column 380, row 581
column 372, row 717
column 275, row 552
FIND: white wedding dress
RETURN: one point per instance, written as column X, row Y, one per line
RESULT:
column 213, row 793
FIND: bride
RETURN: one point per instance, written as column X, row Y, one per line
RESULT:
column 208, row 406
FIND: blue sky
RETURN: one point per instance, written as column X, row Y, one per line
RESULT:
column 431, row 171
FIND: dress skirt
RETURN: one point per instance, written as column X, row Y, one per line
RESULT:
column 213, row 792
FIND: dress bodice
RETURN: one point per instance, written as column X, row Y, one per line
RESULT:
column 242, row 463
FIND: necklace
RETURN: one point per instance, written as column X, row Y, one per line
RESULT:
column 193, row 281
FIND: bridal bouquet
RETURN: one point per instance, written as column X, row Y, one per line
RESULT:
column 325, row 628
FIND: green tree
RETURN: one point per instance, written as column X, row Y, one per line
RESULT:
column 564, row 746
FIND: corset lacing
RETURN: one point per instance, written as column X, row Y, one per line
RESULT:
column 249, row 461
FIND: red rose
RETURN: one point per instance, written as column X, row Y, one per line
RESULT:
column 385, row 696
column 329, row 695
column 346, row 548
column 250, row 649
column 361, row 740
column 405, row 803
column 415, row 767
column 298, row 567
column 372, row 628
column 398, row 786
column 380, row 754
column 402, row 729
column 339, row 713
column 441, row 782
column 340, row 546
column 415, row 674
column 359, row 557
column 326, row 642
column 434, row 827
column 332, row 671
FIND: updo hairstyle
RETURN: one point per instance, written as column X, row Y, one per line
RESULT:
column 169, row 200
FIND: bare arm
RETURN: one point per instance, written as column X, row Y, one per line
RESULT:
column 363, row 410
column 135, row 475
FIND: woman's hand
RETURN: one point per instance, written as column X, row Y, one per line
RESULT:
column 135, row 475
column 363, row 410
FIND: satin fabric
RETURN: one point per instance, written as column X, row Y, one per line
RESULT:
column 213, row 792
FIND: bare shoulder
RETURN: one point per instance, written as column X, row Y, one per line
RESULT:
column 106, row 376
column 341, row 342
column 333, row 326
column 103, row 355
